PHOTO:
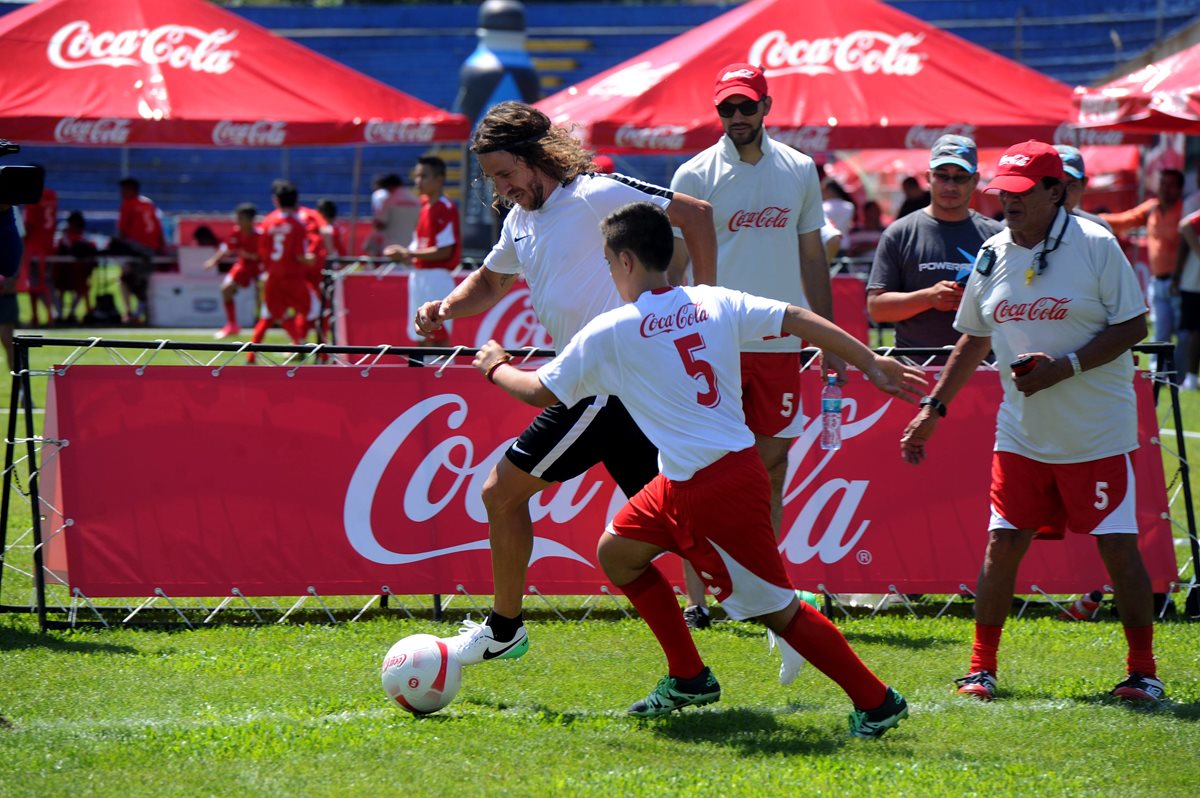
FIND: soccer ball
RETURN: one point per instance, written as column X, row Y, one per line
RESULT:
column 421, row 674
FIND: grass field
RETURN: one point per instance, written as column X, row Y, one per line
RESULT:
column 297, row 709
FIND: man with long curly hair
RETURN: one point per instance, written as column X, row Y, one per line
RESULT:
column 552, row 236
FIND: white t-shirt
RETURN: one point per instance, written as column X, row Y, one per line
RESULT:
column 1086, row 286
column 759, row 210
column 840, row 212
column 561, row 251
column 674, row 359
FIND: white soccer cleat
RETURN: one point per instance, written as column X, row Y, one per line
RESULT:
column 474, row 643
column 792, row 662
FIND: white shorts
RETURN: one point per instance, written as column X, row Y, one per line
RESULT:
column 426, row 285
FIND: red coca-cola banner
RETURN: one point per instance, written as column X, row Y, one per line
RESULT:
column 370, row 310
column 275, row 480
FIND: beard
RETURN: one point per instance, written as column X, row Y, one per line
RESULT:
column 742, row 137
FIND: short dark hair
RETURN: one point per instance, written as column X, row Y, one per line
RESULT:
column 642, row 229
column 205, row 237
column 327, row 208
column 1178, row 175
column 246, row 209
column 132, row 182
column 435, row 163
column 76, row 219
column 285, row 191
column 389, row 181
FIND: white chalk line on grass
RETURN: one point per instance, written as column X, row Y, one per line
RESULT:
column 1186, row 433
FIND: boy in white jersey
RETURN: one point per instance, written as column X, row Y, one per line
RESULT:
column 551, row 235
column 673, row 357
column 1057, row 290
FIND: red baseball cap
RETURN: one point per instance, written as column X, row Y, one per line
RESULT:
column 1024, row 165
column 740, row 78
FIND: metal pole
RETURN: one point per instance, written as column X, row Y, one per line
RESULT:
column 9, row 455
column 39, row 578
column 355, row 179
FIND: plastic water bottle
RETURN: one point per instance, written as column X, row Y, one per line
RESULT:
column 831, row 414
column 1083, row 607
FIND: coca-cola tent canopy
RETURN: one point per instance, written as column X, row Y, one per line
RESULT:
column 1163, row 97
column 187, row 72
column 843, row 74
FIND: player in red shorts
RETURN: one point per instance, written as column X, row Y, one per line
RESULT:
column 318, row 235
column 243, row 242
column 672, row 355
column 282, row 248
column 41, row 221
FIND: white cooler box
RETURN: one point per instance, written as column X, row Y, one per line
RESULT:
column 182, row 300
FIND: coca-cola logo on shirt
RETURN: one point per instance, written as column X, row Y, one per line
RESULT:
column 1046, row 308
column 379, row 131
column 920, row 137
column 660, row 137
column 263, row 133
column 76, row 46
column 105, row 130
column 687, row 316
column 866, row 51
column 771, row 216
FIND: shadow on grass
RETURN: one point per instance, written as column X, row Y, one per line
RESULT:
column 14, row 639
column 908, row 641
column 752, row 732
column 1188, row 712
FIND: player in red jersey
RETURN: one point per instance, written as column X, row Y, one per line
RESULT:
column 318, row 237
column 139, row 234
column 282, row 248
column 243, row 242
column 41, row 220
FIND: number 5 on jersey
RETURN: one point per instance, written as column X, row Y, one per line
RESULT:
column 696, row 367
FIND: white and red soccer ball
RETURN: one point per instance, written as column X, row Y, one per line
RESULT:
column 421, row 674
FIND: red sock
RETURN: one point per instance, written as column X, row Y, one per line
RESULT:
column 260, row 331
column 1141, row 650
column 654, row 600
column 298, row 329
column 820, row 642
column 231, row 314
column 983, row 652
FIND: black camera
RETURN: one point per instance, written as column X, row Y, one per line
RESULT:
column 19, row 185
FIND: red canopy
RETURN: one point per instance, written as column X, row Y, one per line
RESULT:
column 1163, row 97
column 187, row 72
column 843, row 74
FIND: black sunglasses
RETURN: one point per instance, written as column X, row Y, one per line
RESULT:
column 747, row 108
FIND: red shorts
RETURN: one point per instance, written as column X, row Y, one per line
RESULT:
column 241, row 276
column 771, row 393
column 1095, row 497
column 720, row 522
column 281, row 294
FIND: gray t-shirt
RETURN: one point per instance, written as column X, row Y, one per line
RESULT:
column 916, row 252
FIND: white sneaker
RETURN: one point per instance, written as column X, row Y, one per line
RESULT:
column 1191, row 383
column 792, row 662
column 474, row 643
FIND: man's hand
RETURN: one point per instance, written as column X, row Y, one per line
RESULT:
column 895, row 378
column 944, row 295
column 397, row 254
column 828, row 362
column 1046, row 373
column 490, row 356
column 430, row 317
column 917, row 434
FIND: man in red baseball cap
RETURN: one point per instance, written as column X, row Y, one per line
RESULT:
column 1058, row 301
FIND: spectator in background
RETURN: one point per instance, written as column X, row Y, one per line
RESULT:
column 242, row 243
column 914, row 280
column 436, row 247
column 10, row 262
column 139, row 238
column 75, row 276
column 337, row 241
column 1187, row 285
column 915, row 198
column 204, row 236
column 839, row 206
column 1191, row 203
column 41, row 224
column 394, row 210
column 1160, row 216
column 831, row 239
column 1077, row 182
column 864, row 237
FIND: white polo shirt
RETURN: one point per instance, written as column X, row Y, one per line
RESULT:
column 759, row 210
column 561, row 252
column 1087, row 285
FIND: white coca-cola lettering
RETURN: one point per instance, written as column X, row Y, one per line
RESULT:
column 689, row 315
column 1066, row 133
column 661, row 137
column 1015, row 160
column 263, row 133
column 559, row 505
column 771, row 216
column 91, row 131
column 1046, row 308
column 866, row 51
column 75, row 46
column 806, row 139
column 920, row 137
column 513, row 323
column 379, row 131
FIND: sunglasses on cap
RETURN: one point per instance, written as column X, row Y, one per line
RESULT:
column 747, row 108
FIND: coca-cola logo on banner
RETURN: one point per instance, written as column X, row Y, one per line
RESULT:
column 263, row 133
column 866, row 51
column 660, row 137
column 379, row 131
column 106, row 130
column 632, row 81
column 1046, row 308
column 1066, row 133
column 805, row 139
column 513, row 323
column 771, row 216
column 920, row 137
column 75, row 46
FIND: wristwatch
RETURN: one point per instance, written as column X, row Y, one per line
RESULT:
column 937, row 404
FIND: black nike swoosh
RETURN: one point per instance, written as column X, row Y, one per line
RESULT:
column 521, row 238
column 489, row 654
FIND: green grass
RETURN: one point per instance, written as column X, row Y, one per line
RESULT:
column 297, row 709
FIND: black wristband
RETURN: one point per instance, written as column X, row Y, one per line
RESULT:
column 937, row 404
column 492, row 370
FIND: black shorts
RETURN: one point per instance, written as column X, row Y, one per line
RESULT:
column 1189, row 310
column 563, row 442
column 9, row 315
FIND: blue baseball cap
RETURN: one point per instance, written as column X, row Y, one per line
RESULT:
column 1072, row 160
column 954, row 149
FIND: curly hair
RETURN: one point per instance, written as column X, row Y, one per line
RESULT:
column 526, row 133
